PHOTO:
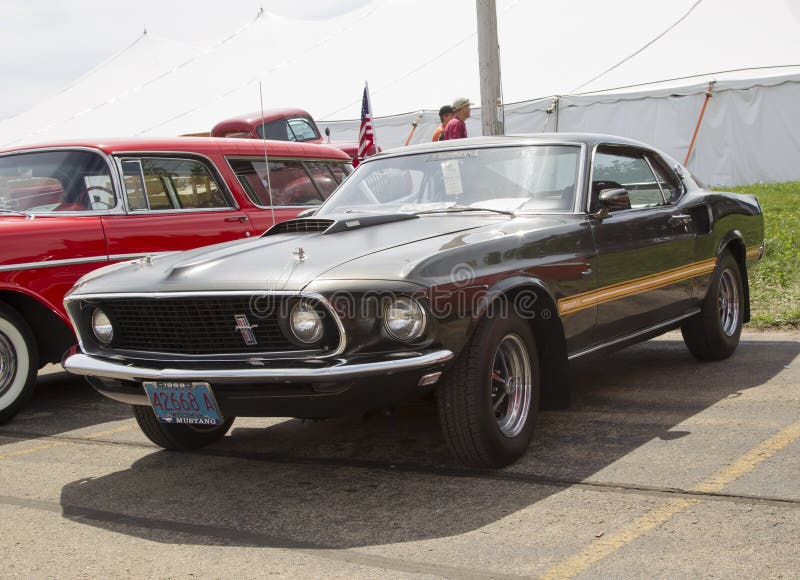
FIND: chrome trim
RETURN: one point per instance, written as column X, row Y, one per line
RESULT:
column 52, row 263
column 633, row 335
column 157, row 295
column 85, row 365
column 73, row 261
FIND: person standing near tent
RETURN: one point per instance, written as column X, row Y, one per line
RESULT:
column 456, row 128
column 445, row 114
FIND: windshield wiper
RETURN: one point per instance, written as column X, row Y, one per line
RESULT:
column 462, row 208
column 16, row 212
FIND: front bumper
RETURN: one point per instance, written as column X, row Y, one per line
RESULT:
column 324, row 388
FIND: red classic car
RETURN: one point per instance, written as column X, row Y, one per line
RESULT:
column 68, row 208
column 280, row 125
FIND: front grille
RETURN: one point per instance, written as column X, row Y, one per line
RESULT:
column 205, row 325
column 300, row 226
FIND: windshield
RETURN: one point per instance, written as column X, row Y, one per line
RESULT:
column 54, row 182
column 526, row 179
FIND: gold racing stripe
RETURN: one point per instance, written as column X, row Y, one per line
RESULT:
column 605, row 294
column 753, row 253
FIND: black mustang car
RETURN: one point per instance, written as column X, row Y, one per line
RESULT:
column 475, row 269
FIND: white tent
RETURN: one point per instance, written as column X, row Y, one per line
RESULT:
column 418, row 55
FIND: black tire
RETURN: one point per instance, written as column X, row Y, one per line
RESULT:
column 714, row 333
column 19, row 361
column 178, row 437
column 466, row 401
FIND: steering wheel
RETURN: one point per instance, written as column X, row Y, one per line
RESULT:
column 90, row 203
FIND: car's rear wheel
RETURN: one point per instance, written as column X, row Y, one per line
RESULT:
column 19, row 361
column 714, row 333
column 489, row 400
column 178, row 437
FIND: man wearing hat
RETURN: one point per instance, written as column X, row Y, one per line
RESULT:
column 456, row 128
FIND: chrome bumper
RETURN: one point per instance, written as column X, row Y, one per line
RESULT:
column 339, row 370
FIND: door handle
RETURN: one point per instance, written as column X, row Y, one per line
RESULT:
column 680, row 218
column 238, row 218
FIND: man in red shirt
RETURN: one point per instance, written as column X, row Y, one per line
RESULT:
column 456, row 128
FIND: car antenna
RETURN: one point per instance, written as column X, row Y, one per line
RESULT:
column 266, row 159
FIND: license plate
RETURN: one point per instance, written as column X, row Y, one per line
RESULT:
column 183, row 403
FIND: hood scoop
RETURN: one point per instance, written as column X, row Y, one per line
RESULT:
column 299, row 226
column 332, row 226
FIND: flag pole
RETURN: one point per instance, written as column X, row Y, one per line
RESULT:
column 371, row 119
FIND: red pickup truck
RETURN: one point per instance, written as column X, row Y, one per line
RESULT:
column 69, row 208
column 280, row 125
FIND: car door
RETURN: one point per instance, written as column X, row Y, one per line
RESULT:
column 645, row 251
column 172, row 203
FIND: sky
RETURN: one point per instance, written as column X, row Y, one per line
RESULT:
column 49, row 43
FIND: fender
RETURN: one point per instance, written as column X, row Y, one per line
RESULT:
column 13, row 288
column 506, row 285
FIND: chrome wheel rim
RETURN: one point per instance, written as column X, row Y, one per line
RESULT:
column 728, row 303
column 511, row 386
column 8, row 363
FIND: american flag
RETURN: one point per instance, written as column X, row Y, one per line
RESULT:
column 366, row 136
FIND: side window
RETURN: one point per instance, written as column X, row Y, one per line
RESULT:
column 301, row 129
column 289, row 181
column 159, row 184
column 340, row 171
column 628, row 170
column 666, row 179
column 323, row 177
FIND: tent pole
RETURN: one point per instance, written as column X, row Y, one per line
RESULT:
column 414, row 124
column 699, row 120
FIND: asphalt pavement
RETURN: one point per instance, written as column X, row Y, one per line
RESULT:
column 662, row 467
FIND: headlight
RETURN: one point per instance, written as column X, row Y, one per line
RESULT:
column 404, row 319
column 305, row 323
column 101, row 326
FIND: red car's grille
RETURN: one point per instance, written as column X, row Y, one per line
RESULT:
column 206, row 325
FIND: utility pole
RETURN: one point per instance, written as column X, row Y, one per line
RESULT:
column 489, row 67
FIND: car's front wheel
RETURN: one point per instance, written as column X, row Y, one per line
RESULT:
column 489, row 400
column 19, row 362
column 178, row 437
column 714, row 333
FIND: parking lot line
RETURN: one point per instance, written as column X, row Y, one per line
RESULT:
column 603, row 547
column 60, row 443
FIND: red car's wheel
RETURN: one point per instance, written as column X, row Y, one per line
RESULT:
column 19, row 362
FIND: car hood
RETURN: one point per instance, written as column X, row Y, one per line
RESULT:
column 282, row 261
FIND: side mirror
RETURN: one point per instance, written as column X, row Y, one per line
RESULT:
column 612, row 199
column 328, row 133
column 307, row 212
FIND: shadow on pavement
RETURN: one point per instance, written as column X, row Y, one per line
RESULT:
column 62, row 402
column 352, row 482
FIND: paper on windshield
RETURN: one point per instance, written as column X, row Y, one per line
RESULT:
column 452, row 177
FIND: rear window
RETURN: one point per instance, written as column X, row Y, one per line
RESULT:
column 291, row 182
column 55, row 182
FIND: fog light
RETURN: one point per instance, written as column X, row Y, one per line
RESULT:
column 306, row 323
column 101, row 326
column 404, row 319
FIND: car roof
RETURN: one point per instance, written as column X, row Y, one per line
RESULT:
column 590, row 139
column 267, row 115
column 201, row 145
